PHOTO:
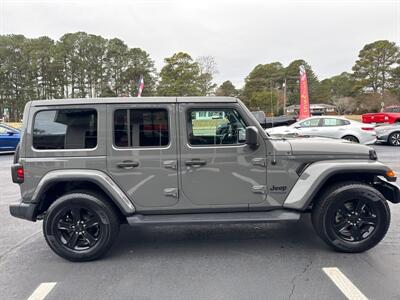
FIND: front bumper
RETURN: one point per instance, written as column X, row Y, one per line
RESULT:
column 390, row 190
column 382, row 138
column 23, row 210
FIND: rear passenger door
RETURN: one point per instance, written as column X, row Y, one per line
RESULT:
column 142, row 153
column 333, row 128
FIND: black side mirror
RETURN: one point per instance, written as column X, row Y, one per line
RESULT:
column 252, row 136
column 10, row 132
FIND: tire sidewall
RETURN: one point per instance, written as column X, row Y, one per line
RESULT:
column 374, row 199
column 85, row 201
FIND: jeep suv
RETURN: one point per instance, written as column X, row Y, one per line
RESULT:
column 85, row 166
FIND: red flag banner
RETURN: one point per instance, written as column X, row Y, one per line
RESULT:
column 304, row 100
column 140, row 86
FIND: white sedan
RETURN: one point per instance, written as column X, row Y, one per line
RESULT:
column 329, row 126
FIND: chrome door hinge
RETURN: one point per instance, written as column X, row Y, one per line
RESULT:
column 171, row 192
column 259, row 161
column 258, row 189
column 170, row 164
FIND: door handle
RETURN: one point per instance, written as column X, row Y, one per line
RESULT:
column 195, row 162
column 127, row 164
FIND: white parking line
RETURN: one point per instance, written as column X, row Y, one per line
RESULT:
column 42, row 291
column 344, row 284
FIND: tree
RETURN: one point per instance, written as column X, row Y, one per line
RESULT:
column 179, row 76
column 16, row 80
column 208, row 69
column 266, row 101
column 374, row 65
column 263, row 77
column 339, row 86
column 344, row 105
column 227, row 89
column 395, row 81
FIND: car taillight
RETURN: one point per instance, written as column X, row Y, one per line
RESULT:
column 20, row 173
column 17, row 173
column 367, row 128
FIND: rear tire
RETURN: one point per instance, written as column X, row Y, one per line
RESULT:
column 351, row 138
column 80, row 226
column 394, row 139
column 351, row 217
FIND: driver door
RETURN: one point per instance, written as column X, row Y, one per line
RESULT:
column 217, row 169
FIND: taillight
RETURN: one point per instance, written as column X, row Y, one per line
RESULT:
column 17, row 173
column 20, row 173
column 367, row 128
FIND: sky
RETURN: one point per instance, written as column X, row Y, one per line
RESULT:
column 328, row 34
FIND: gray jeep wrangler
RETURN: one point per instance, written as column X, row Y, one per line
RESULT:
column 85, row 166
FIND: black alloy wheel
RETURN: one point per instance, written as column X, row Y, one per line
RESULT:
column 78, row 228
column 354, row 221
column 81, row 226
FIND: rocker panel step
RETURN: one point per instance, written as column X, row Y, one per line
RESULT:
column 204, row 218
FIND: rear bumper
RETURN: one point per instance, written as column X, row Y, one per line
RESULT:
column 23, row 210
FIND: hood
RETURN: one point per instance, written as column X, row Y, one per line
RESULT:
column 326, row 146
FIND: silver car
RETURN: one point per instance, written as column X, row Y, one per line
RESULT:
column 389, row 134
column 330, row 126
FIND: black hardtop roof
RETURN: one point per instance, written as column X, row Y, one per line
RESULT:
column 127, row 100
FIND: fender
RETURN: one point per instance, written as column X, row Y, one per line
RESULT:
column 315, row 175
column 94, row 176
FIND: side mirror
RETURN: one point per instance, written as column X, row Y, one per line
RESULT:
column 252, row 136
column 10, row 132
column 297, row 126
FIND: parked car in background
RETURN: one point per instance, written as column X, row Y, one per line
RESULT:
column 268, row 122
column 330, row 126
column 390, row 114
column 389, row 134
column 9, row 138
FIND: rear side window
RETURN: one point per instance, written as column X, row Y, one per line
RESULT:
column 141, row 128
column 65, row 129
column 334, row 122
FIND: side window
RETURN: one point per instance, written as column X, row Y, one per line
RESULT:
column 220, row 126
column 141, row 128
column 3, row 130
column 334, row 122
column 310, row 123
column 65, row 129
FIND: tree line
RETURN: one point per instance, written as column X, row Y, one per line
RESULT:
column 81, row 65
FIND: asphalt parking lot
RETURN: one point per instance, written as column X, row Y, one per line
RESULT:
column 269, row 261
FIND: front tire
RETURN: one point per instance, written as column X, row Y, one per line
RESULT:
column 351, row 217
column 351, row 138
column 80, row 226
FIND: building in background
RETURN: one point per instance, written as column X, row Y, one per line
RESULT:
column 315, row 109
